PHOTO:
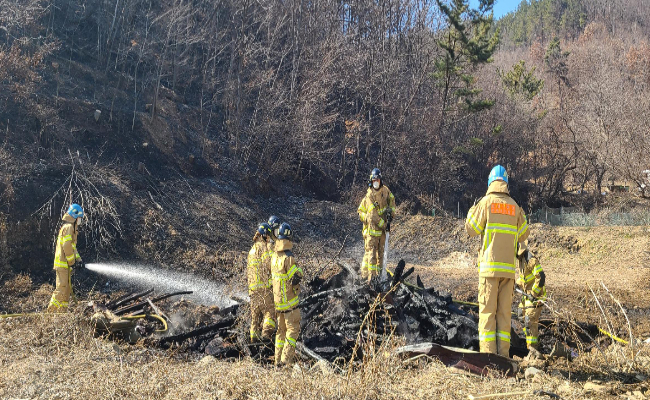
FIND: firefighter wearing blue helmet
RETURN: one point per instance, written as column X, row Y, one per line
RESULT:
column 501, row 223
column 66, row 257
column 376, row 212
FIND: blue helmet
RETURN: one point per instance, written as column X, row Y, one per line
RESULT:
column 274, row 222
column 264, row 229
column 75, row 211
column 498, row 173
column 285, row 231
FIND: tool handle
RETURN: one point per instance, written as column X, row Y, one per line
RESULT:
column 496, row 395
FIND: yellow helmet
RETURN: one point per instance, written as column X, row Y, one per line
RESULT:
column 522, row 247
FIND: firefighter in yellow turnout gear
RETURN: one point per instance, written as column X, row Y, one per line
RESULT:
column 501, row 223
column 286, row 288
column 259, row 285
column 376, row 212
column 532, row 282
column 65, row 258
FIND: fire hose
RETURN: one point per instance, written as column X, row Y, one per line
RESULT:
column 129, row 317
column 145, row 316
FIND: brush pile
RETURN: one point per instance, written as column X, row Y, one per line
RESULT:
column 336, row 313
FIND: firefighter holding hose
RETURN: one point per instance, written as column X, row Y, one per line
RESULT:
column 66, row 258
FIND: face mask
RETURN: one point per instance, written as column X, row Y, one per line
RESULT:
column 79, row 221
column 375, row 184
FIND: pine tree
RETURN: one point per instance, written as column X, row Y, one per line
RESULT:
column 521, row 82
column 468, row 42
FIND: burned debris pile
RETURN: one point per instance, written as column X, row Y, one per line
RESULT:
column 336, row 311
column 130, row 318
column 334, row 316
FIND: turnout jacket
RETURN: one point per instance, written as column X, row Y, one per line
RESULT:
column 66, row 254
column 283, row 268
column 532, row 279
column 259, row 266
column 501, row 223
column 373, row 208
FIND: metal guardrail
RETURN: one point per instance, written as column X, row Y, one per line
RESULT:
column 571, row 216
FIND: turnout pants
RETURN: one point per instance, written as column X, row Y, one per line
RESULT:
column 531, row 324
column 495, row 307
column 262, row 314
column 285, row 338
column 61, row 295
column 373, row 256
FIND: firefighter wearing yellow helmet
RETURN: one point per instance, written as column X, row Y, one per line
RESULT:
column 286, row 288
column 501, row 223
column 532, row 282
column 66, row 257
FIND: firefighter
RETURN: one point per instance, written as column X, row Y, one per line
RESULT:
column 376, row 212
column 65, row 258
column 259, row 286
column 532, row 282
column 286, row 288
column 501, row 223
column 274, row 223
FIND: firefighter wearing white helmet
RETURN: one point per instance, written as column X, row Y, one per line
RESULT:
column 65, row 258
column 376, row 212
column 501, row 223
column 286, row 288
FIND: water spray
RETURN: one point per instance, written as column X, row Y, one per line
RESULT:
column 205, row 291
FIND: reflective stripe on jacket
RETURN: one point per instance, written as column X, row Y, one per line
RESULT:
column 66, row 244
column 530, row 278
column 371, row 211
column 259, row 266
column 283, row 268
column 501, row 223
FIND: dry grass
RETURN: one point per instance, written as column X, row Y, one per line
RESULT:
column 57, row 357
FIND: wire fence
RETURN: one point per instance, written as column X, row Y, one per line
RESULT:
column 573, row 216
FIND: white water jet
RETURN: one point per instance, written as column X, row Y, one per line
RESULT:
column 205, row 291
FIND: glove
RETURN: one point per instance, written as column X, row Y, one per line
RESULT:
column 296, row 279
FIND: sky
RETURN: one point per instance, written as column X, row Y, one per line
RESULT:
column 501, row 7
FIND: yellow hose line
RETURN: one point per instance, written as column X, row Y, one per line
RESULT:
column 613, row 337
column 155, row 316
column 465, row 303
column 28, row 314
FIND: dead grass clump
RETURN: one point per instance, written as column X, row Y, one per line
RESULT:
column 20, row 285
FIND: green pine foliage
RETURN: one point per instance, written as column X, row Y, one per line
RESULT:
column 469, row 41
column 541, row 20
column 520, row 81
